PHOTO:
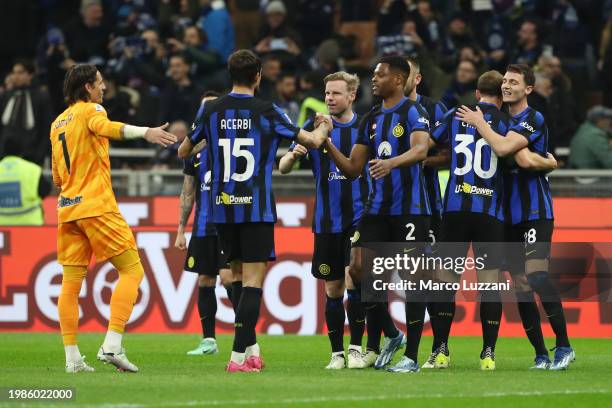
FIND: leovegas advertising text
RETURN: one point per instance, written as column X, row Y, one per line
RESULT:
column 293, row 300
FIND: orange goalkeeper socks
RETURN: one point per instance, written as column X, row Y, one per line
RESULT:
column 125, row 294
column 68, row 303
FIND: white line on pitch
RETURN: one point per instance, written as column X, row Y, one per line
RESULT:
column 314, row 400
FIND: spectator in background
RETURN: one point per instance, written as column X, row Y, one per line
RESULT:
column 564, row 117
column 458, row 35
column 180, row 98
column 25, row 114
column 431, row 23
column 88, row 36
column 316, row 22
column 286, row 96
column 462, row 87
column 276, row 34
column 270, row 71
column 529, row 46
column 405, row 43
column 217, row 24
column 56, row 59
column 146, row 65
column 591, row 146
column 23, row 187
column 313, row 94
column 247, row 21
column 605, row 62
column 202, row 57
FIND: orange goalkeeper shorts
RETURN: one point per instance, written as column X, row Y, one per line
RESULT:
column 105, row 236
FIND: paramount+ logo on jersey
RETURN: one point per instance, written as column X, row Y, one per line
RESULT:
column 467, row 188
column 230, row 199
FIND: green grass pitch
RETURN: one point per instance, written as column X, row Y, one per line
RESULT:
column 295, row 377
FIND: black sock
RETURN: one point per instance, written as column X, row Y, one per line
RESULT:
column 374, row 329
column 246, row 319
column 431, row 311
column 334, row 317
column 490, row 317
column 551, row 302
column 415, row 319
column 236, row 293
column 356, row 316
column 381, row 313
column 207, row 308
column 530, row 317
column 445, row 313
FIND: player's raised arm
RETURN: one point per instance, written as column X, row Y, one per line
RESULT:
column 100, row 125
column 296, row 151
column 419, row 142
column 314, row 139
column 501, row 145
column 529, row 160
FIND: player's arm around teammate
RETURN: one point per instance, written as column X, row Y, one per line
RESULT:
column 512, row 143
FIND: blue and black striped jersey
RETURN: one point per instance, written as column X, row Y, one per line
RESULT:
column 243, row 134
column 387, row 134
column 476, row 178
column 435, row 111
column 527, row 193
column 339, row 201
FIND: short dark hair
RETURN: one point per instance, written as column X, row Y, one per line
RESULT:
column 27, row 64
column 243, row 67
column 182, row 56
column 524, row 70
column 210, row 94
column 75, row 80
column 398, row 64
column 490, row 83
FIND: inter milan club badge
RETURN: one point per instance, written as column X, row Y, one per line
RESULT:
column 398, row 130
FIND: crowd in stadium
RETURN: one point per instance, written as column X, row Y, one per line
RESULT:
column 158, row 58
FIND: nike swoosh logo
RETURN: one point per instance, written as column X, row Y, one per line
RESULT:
column 360, row 321
column 530, row 252
column 197, row 164
column 414, row 321
column 406, row 250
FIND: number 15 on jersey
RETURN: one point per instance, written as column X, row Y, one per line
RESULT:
column 232, row 153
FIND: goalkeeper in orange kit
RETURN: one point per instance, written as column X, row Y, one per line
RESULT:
column 89, row 221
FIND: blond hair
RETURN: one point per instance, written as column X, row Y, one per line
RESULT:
column 352, row 80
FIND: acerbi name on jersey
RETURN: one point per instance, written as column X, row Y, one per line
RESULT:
column 467, row 188
column 230, row 199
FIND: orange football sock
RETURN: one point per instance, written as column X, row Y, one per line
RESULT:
column 68, row 302
column 125, row 294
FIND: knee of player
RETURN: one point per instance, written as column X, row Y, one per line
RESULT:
column 334, row 289
column 204, row 281
column 537, row 279
column 73, row 273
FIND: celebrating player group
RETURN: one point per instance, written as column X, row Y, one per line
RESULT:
column 376, row 180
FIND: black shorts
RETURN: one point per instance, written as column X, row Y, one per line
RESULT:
column 392, row 228
column 332, row 254
column 247, row 242
column 465, row 228
column 204, row 256
column 535, row 236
